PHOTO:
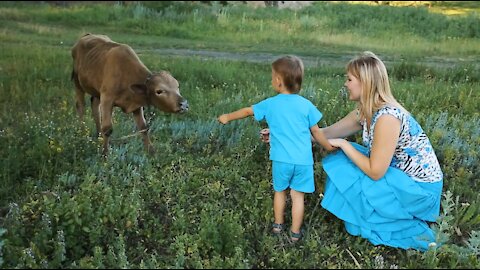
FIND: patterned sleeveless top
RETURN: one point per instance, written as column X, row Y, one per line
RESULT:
column 414, row 153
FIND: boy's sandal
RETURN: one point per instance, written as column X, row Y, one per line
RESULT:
column 277, row 228
column 294, row 237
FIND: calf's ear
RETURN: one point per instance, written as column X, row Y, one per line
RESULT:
column 140, row 89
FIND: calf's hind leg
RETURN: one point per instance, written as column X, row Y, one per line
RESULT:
column 79, row 102
column 96, row 114
column 106, row 125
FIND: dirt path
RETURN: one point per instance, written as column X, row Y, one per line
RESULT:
column 334, row 60
column 337, row 60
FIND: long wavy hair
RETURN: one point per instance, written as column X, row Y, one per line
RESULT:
column 373, row 77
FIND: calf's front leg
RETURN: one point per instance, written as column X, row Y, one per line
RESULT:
column 142, row 127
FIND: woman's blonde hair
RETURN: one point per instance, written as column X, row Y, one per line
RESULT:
column 373, row 77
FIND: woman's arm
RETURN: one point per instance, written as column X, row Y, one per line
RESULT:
column 343, row 128
column 385, row 138
column 319, row 136
column 242, row 113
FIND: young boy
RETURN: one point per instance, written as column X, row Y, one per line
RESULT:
column 292, row 120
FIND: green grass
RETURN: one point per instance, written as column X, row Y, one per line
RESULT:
column 320, row 28
column 205, row 199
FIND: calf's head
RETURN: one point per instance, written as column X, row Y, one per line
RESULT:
column 163, row 92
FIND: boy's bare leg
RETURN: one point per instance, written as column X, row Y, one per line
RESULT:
column 279, row 201
column 298, row 209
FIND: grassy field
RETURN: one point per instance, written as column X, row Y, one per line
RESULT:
column 205, row 199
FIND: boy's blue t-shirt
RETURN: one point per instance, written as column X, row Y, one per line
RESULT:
column 289, row 117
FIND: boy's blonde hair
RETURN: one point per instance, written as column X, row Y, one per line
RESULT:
column 290, row 68
column 373, row 77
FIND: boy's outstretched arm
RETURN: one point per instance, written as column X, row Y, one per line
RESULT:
column 242, row 113
column 320, row 137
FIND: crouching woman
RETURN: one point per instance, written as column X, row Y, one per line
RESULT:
column 389, row 188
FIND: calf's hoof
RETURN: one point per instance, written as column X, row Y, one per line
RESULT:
column 151, row 150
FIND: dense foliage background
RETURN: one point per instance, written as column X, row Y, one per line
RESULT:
column 205, row 199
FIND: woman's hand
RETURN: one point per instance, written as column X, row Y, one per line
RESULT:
column 337, row 142
column 265, row 135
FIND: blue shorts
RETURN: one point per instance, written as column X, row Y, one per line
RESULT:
column 297, row 177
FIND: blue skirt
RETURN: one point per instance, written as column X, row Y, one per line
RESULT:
column 391, row 211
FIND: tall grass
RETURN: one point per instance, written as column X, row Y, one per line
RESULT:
column 322, row 27
column 205, row 199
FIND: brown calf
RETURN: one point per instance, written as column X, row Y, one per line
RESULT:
column 113, row 75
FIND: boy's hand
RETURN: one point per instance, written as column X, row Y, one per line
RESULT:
column 265, row 135
column 223, row 119
column 332, row 148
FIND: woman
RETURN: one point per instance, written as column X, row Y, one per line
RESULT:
column 387, row 190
